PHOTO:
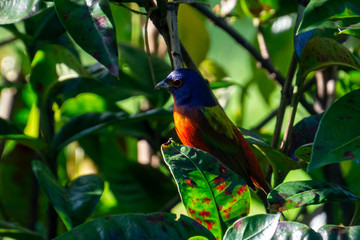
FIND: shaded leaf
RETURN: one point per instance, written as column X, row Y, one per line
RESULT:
column 84, row 124
column 11, row 230
column 260, row 227
column 11, row 132
column 90, row 24
column 333, row 232
column 75, row 202
column 280, row 162
column 304, row 132
column 138, row 226
column 337, row 138
column 12, row 11
column 291, row 195
column 211, row 193
column 295, row 231
column 304, row 152
column 320, row 52
column 50, row 64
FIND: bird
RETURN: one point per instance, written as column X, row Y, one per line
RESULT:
column 200, row 122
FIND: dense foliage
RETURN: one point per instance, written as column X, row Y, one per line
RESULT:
column 84, row 136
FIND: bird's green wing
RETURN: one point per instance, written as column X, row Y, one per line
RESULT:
column 224, row 140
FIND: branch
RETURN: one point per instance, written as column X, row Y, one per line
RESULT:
column 171, row 19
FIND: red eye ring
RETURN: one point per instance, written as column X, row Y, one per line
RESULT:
column 177, row 83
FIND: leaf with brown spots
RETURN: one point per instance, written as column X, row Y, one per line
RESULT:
column 338, row 136
column 291, row 195
column 212, row 194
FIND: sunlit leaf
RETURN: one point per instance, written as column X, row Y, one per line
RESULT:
column 138, row 226
column 12, row 11
column 295, row 231
column 352, row 30
column 333, row 232
column 338, row 138
column 75, row 202
column 211, row 193
column 10, row 230
column 257, row 227
column 90, row 24
column 291, row 195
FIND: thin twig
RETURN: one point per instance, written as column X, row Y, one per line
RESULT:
column 130, row 9
column 261, row 40
column 8, row 41
column 148, row 48
column 266, row 120
column 285, row 100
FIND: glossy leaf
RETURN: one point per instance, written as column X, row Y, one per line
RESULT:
column 12, row 11
column 138, row 226
column 295, row 231
column 90, row 24
column 337, row 138
column 75, row 202
column 333, row 232
column 330, row 14
column 257, row 227
column 321, row 52
column 212, row 194
column 353, row 30
column 291, row 195
column 84, row 124
column 50, row 64
column 10, row 230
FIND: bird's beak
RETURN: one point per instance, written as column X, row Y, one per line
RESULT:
column 162, row 84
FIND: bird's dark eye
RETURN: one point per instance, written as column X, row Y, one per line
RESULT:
column 177, row 83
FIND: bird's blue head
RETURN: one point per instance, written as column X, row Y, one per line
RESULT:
column 188, row 88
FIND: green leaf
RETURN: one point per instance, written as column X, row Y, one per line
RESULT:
column 212, row 194
column 50, row 64
column 265, row 153
column 333, row 232
column 75, row 202
column 353, row 30
column 261, row 9
column 11, row 132
column 193, row 32
column 291, row 195
column 320, row 52
column 90, row 24
column 294, row 231
column 138, row 226
column 257, row 227
column 330, row 14
column 12, row 11
column 10, row 230
column 304, row 152
column 338, row 137
column 84, row 124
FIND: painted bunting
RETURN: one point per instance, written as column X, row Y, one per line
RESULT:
column 200, row 122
